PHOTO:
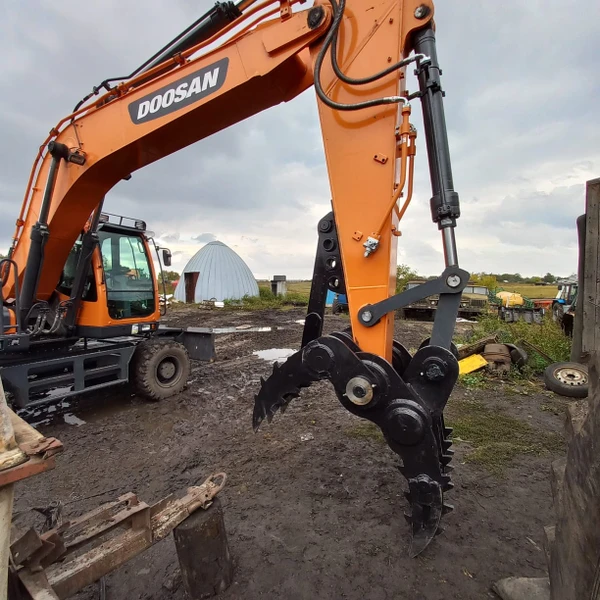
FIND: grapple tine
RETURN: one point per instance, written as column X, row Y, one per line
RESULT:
column 282, row 386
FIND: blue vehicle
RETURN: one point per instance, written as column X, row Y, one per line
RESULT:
column 337, row 302
column 563, row 306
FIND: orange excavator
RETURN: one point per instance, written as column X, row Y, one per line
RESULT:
column 80, row 301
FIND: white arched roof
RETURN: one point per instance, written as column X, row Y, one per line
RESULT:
column 222, row 275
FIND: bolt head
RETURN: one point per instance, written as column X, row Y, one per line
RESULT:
column 434, row 373
column 315, row 16
column 318, row 357
column 434, row 368
column 405, row 425
column 421, row 11
column 453, row 281
column 367, row 316
column 325, row 226
column 359, row 391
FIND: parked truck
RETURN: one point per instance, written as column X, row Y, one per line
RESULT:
column 474, row 302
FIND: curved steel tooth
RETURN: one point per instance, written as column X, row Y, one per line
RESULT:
column 446, row 446
column 280, row 388
column 448, row 431
column 446, row 459
column 425, row 519
column 447, row 508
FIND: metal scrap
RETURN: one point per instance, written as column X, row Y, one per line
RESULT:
column 64, row 560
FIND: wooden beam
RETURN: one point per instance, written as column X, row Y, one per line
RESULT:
column 591, row 275
column 575, row 553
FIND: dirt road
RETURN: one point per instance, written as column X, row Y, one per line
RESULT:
column 320, row 518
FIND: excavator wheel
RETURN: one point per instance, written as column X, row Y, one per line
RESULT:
column 160, row 368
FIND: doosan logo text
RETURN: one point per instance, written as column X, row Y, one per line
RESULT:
column 183, row 92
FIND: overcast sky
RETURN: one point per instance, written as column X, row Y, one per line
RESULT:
column 522, row 109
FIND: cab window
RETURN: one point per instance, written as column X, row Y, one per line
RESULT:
column 128, row 276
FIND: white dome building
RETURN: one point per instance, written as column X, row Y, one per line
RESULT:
column 215, row 272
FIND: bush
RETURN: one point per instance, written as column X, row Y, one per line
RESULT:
column 267, row 299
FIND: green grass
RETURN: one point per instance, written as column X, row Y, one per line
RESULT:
column 530, row 290
column 474, row 381
column 497, row 438
column 295, row 287
column 266, row 299
column 547, row 336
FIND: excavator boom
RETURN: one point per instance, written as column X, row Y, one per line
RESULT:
column 361, row 57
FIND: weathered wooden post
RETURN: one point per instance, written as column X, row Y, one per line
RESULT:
column 10, row 456
column 575, row 551
column 203, row 553
column 576, row 347
column 573, row 543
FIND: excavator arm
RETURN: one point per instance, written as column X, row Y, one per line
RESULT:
column 361, row 56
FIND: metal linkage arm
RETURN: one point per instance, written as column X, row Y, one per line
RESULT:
column 452, row 281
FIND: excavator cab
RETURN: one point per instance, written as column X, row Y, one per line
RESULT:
column 120, row 294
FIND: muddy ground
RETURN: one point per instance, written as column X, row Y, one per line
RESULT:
column 321, row 518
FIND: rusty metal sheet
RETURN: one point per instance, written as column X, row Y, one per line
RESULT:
column 23, row 547
column 37, row 585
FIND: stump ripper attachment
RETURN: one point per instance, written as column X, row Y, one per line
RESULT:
column 407, row 409
column 404, row 398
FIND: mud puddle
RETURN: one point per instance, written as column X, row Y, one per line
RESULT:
column 274, row 354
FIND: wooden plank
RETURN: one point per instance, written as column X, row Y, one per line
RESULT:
column 591, row 279
column 34, row 466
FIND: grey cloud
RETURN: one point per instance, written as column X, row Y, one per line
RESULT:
column 520, row 109
column 170, row 237
column 557, row 209
column 205, row 237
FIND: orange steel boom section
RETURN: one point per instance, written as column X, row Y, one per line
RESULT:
column 133, row 126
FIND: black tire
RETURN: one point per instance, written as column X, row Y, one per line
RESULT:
column 567, row 379
column 160, row 368
column 335, row 306
column 557, row 313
